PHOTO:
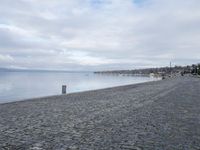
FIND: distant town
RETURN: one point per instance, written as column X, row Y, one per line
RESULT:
column 158, row 72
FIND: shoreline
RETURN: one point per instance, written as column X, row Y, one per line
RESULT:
column 153, row 115
column 35, row 98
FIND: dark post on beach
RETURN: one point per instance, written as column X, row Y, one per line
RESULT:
column 64, row 88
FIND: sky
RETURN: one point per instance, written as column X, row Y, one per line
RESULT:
column 98, row 34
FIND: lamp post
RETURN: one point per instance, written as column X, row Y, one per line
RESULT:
column 64, row 89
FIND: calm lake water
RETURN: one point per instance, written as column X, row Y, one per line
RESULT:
column 16, row 86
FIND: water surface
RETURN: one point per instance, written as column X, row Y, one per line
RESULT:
column 16, row 86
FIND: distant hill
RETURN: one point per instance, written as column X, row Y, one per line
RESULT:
column 37, row 70
column 13, row 70
column 5, row 69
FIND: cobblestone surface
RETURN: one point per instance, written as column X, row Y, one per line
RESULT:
column 161, row 115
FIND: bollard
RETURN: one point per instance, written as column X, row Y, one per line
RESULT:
column 64, row 88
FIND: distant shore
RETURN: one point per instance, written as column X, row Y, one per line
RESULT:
column 154, row 115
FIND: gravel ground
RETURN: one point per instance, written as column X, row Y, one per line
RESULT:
column 160, row 115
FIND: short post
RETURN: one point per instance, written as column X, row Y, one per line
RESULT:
column 64, row 88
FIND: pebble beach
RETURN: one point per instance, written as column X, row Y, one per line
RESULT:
column 157, row 115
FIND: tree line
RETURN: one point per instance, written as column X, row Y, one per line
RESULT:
column 190, row 69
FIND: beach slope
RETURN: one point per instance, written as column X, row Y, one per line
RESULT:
column 155, row 115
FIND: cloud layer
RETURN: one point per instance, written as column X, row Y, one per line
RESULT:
column 98, row 34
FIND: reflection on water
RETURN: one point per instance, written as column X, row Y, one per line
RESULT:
column 21, row 85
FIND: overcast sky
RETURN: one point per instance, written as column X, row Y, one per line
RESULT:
column 98, row 34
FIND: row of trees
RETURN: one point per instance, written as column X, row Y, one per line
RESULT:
column 196, row 69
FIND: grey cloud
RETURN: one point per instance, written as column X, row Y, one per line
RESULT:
column 103, row 34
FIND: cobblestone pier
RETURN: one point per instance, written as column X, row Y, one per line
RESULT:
column 159, row 115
